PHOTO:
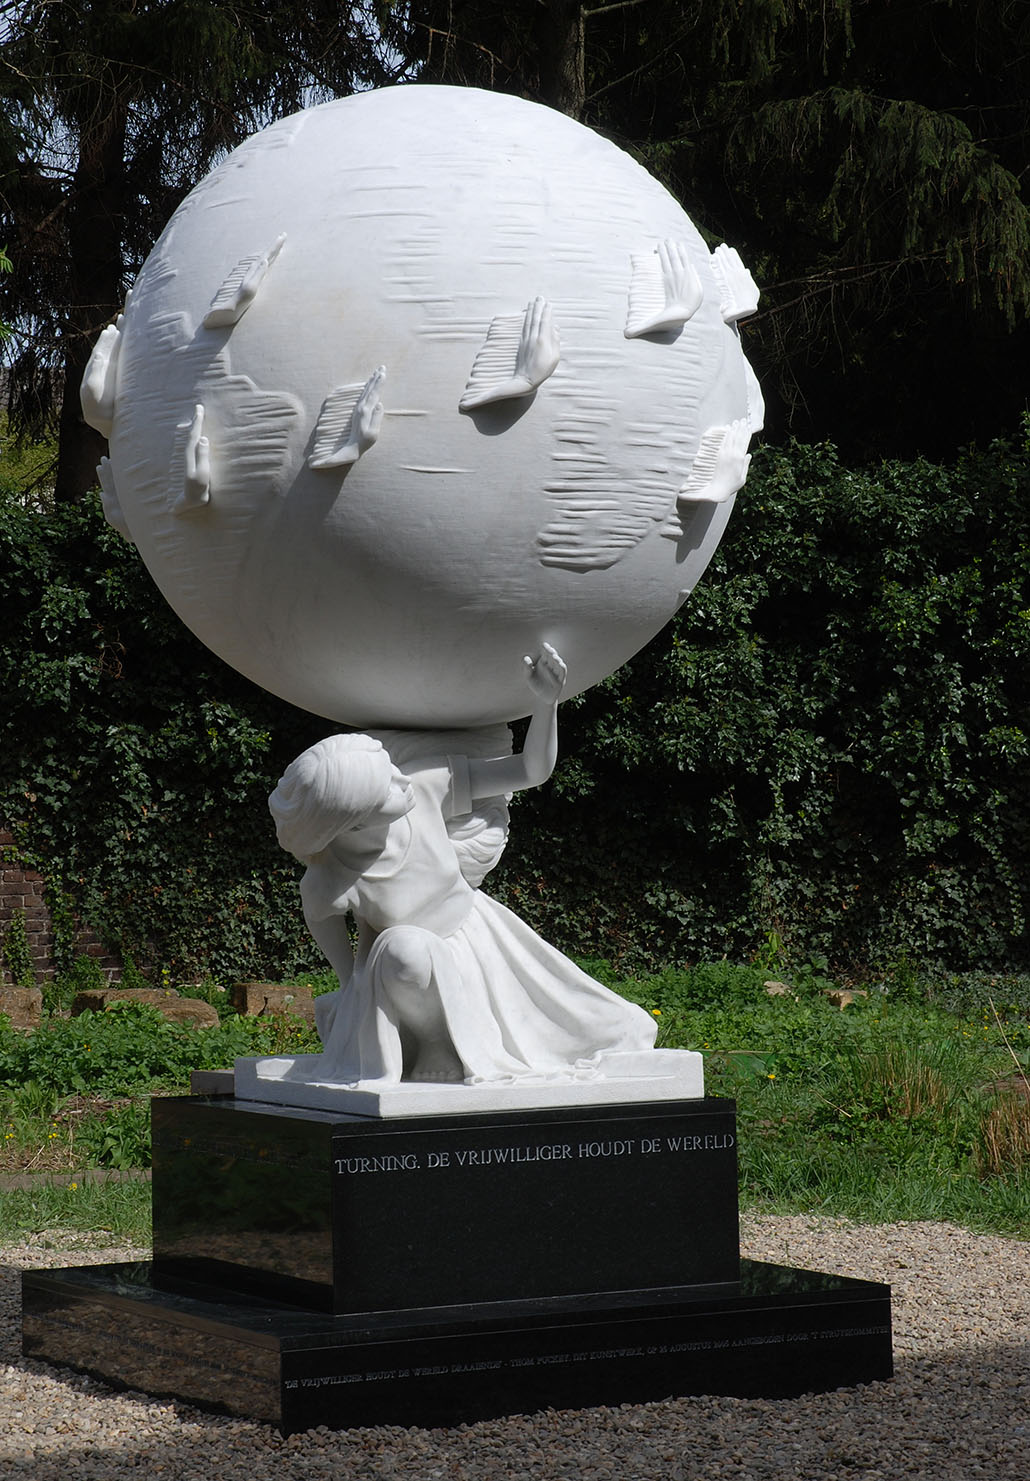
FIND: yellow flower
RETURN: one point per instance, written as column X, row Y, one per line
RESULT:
column 73, row 1185
column 657, row 1012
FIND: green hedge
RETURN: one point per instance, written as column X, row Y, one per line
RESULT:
column 828, row 746
column 136, row 765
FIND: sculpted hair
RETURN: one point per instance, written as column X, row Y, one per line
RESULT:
column 333, row 786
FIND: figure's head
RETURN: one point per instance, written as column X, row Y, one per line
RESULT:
column 343, row 783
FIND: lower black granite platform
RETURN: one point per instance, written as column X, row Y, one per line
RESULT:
column 312, row 1269
column 782, row 1332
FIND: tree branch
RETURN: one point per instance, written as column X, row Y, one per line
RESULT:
column 604, row 9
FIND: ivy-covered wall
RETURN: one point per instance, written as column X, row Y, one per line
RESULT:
column 830, row 742
column 27, row 935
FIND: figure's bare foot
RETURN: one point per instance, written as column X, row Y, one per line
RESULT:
column 437, row 1064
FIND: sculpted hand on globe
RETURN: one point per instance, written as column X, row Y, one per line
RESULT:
column 366, row 420
column 368, row 413
column 97, row 390
column 536, row 358
column 255, row 276
column 729, row 466
column 197, row 480
column 683, row 291
column 539, row 349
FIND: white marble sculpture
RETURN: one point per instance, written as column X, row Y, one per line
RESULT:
column 447, row 985
column 413, row 384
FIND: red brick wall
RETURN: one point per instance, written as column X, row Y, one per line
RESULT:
column 24, row 890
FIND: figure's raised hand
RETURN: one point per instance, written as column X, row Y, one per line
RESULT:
column 546, row 674
column 496, row 776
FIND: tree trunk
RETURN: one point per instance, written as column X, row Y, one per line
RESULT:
column 95, row 215
column 560, row 46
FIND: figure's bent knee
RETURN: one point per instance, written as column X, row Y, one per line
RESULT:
column 404, row 956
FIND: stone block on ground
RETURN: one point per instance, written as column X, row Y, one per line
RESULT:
column 779, row 990
column 255, row 998
column 840, row 997
column 22, row 1005
column 168, row 1003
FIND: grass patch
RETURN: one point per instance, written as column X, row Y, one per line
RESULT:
column 110, row 1212
column 75, row 1096
column 910, row 1101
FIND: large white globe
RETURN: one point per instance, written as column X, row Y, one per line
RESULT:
column 409, row 229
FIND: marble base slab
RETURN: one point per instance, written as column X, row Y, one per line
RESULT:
column 776, row 1333
column 620, row 1079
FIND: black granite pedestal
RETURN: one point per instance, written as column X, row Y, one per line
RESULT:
column 312, row 1269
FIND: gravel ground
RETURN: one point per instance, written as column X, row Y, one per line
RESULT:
column 958, row 1407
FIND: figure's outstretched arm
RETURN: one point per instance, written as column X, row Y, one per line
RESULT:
column 545, row 676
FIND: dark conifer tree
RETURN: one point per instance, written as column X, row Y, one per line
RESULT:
column 109, row 113
column 868, row 157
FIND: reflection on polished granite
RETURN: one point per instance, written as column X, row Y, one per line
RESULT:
column 779, row 1333
column 316, row 1270
column 350, row 1214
